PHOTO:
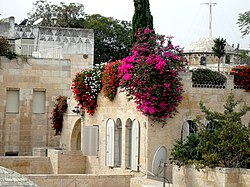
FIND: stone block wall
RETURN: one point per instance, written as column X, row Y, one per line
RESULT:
column 85, row 180
column 27, row 164
column 64, row 162
column 152, row 136
column 225, row 177
column 20, row 132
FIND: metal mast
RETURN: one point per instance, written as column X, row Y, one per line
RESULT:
column 210, row 4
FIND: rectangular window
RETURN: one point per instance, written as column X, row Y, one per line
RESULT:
column 90, row 140
column 12, row 101
column 38, row 102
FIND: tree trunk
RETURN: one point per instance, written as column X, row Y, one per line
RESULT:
column 219, row 65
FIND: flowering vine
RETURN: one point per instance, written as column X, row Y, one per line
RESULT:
column 60, row 107
column 150, row 75
column 110, row 80
column 86, row 85
column 242, row 76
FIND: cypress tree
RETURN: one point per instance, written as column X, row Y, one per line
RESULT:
column 142, row 17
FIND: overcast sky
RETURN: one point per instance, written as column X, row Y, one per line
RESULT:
column 186, row 20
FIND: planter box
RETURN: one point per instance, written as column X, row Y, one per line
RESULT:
column 216, row 177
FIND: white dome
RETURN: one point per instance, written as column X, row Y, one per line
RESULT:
column 205, row 45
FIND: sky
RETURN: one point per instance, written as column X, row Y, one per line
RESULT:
column 185, row 20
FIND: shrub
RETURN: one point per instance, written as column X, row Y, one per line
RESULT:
column 5, row 49
column 207, row 76
column 224, row 142
column 150, row 75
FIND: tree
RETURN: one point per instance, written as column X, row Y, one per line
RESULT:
column 244, row 23
column 224, row 141
column 71, row 15
column 112, row 38
column 142, row 17
column 219, row 49
column 5, row 49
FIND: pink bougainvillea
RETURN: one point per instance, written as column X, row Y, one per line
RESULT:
column 150, row 75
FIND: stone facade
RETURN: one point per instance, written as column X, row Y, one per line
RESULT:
column 151, row 136
column 38, row 71
column 189, row 176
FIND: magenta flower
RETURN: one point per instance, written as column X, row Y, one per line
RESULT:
column 150, row 75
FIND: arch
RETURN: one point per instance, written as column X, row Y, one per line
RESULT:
column 188, row 128
column 76, row 136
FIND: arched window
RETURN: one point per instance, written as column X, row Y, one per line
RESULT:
column 188, row 128
column 203, row 61
column 118, row 143
column 110, row 142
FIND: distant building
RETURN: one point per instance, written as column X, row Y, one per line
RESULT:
column 200, row 53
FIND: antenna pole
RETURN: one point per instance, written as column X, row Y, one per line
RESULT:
column 210, row 4
column 164, row 173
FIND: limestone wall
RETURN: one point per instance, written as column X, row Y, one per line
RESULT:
column 85, row 180
column 22, row 131
column 188, row 176
column 27, row 164
column 151, row 137
column 64, row 162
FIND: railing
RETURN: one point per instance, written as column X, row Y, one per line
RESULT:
column 38, row 51
column 214, row 67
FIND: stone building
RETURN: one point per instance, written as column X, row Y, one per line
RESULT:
column 114, row 147
column 29, row 85
column 200, row 54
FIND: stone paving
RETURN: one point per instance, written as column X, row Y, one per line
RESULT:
column 10, row 178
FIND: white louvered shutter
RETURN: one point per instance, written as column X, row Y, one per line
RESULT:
column 135, row 146
column 185, row 131
column 110, row 143
column 90, row 140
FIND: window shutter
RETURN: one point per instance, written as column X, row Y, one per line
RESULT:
column 39, row 102
column 135, row 146
column 185, row 131
column 12, row 103
column 110, row 143
column 90, row 140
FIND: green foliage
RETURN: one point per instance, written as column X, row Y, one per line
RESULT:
column 219, row 49
column 244, row 23
column 5, row 49
column 206, row 76
column 224, row 141
column 185, row 153
column 112, row 38
column 71, row 15
column 142, row 17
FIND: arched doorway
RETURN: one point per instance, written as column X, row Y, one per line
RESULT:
column 76, row 136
